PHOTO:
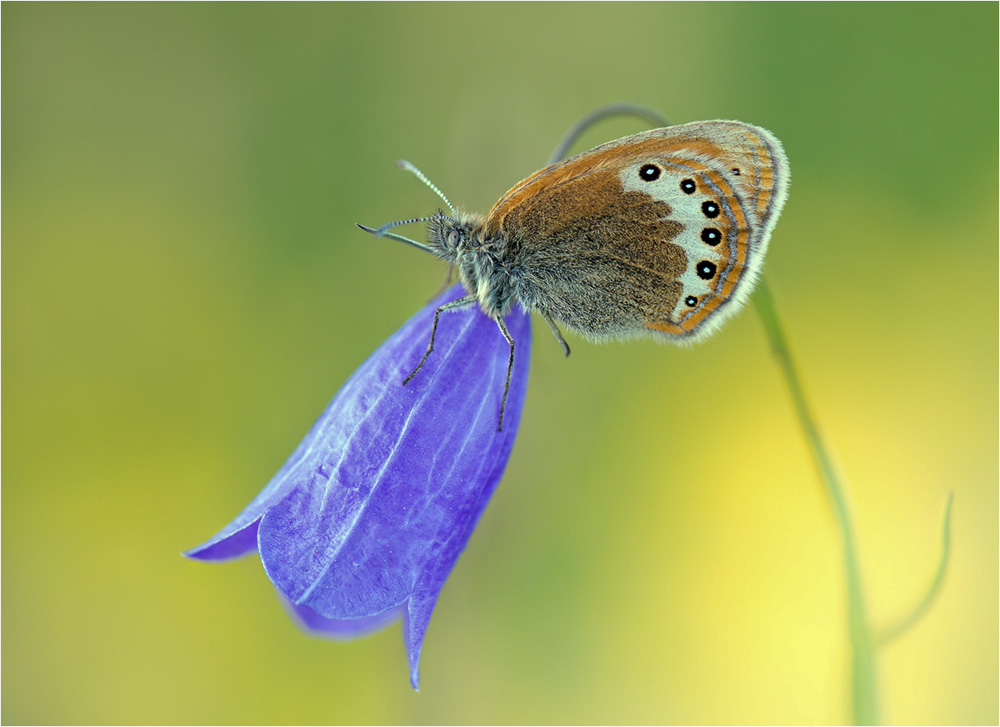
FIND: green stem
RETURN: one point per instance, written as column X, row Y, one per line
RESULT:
column 651, row 116
column 924, row 605
column 863, row 677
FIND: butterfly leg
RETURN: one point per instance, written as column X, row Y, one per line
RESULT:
column 510, row 368
column 454, row 305
column 555, row 331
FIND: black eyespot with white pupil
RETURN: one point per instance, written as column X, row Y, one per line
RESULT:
column 690, row 301
column 706, row 270
column 710, row 209
column 688, row 186
column 711, row 236
column 649, row 172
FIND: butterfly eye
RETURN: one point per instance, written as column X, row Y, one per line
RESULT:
column 649, row 172
column 735, row 171
column 688, row 186
column 690, row 301
column 453, row 238
column 706, row 270
column 710, row 209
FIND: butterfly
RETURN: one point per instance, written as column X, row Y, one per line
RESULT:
column 662, row 233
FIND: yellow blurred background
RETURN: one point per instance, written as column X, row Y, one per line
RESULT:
column 184, row 289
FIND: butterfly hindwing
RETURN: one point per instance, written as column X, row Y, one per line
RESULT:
column 661, row 231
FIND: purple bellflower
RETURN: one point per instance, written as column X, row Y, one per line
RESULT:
column 364, row 522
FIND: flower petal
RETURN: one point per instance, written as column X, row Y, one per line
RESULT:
column 395, row 478
column 233, row 541
column 371, row 511
column 340, row 630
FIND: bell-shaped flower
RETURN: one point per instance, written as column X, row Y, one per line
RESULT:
column 366, row 519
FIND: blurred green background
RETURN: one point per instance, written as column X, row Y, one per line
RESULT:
column 184, row 290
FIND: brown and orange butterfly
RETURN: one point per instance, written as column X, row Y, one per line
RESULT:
column 661, row 233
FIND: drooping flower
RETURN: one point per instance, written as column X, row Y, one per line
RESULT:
column 366, row 519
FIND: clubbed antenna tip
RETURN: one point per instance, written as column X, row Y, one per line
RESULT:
column 403, row 164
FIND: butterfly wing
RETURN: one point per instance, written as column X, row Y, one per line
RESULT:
column 663, row 231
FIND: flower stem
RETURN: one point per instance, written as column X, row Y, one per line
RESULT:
column 864, row 694
column 923, row 606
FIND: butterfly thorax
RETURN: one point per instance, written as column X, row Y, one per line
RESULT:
column 485, row 265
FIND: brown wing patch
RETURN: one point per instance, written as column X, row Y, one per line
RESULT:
column 597, row 214
column 552, row 176
column 598, row 257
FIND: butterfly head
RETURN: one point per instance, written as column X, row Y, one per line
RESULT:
column 453, row 237
column 480, row 261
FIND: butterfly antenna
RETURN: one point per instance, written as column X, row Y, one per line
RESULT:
column 399, row 223
column 403, row 164
column 381, row 232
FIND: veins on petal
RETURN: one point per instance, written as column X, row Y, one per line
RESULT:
column 393, row 452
